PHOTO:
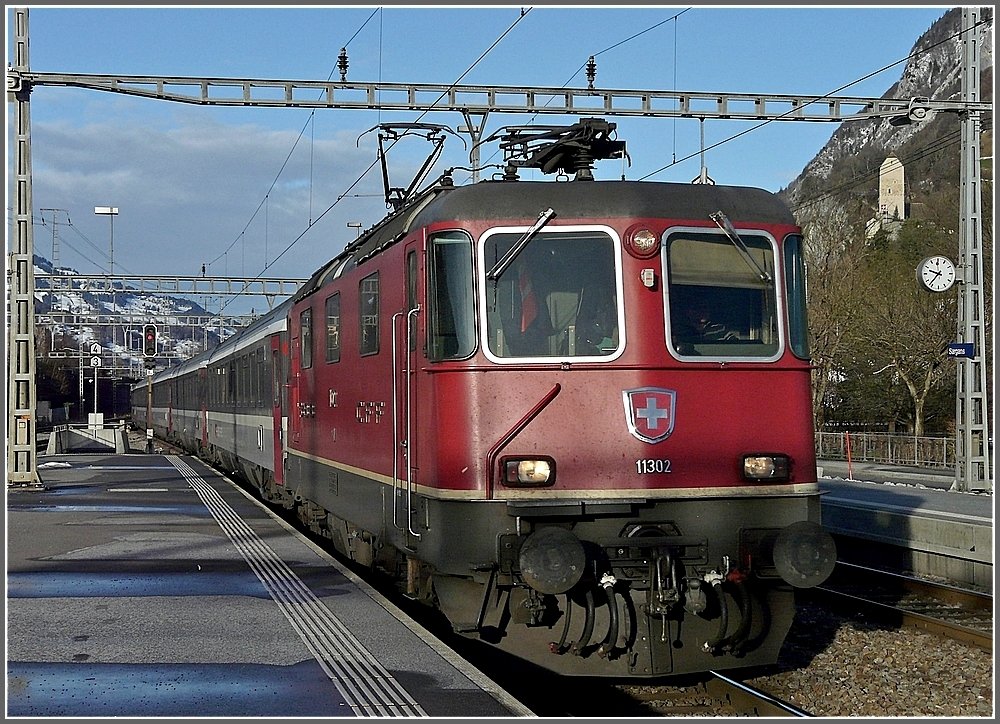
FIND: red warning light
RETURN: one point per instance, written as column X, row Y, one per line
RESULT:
column 149, row 340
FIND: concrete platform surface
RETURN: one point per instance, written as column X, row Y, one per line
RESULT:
column 151, row 586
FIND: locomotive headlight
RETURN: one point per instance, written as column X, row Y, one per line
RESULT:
column 533, row 471
column 765, row 467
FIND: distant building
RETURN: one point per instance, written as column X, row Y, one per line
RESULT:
column 891, row 198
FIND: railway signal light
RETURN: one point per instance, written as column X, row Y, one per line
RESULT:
column 149, row 340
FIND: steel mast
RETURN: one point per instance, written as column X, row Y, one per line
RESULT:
column 21, row 394
column 972, row 469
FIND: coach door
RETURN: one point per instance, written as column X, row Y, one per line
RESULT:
column 295, row 381
column 278, row 392
column 203, row 385
column 406, row 356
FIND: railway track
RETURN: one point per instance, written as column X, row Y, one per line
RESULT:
column 939, row 608
column 718, row 695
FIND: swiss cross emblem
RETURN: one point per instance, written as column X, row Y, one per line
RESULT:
column 649, row 412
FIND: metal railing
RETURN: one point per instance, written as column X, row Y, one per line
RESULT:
column 90, row 437
column 880, row 447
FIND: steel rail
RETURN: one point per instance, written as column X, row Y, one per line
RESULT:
column 747, row 698
column 896, row 584
column 913, row 619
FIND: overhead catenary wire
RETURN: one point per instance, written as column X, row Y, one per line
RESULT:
column 611, row 47
column 373, row 164
column 674, row 162
column 523, row 13
column 309, row 122
column 798, row 109
column 104, row 254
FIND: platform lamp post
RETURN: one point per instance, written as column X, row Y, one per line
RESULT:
column 111, row 212
column 82, row 410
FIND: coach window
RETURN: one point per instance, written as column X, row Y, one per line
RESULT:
column 559, row 296
column 263, row 377
column 236, row 382
column 249, row 393
column 247, row 382
column 306, row 332
column 451, row 314
column 721, row 302
column 241, row 380
column 369, row 294
column 333, row 328
column 256, row 368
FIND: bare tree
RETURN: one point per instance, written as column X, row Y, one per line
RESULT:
column 901, row 327
column 833, row 265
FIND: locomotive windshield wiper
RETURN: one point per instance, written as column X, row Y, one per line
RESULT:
column 723, row 223
column 505, row 261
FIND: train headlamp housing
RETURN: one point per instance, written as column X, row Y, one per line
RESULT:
column 766, row 466
column 528, row 472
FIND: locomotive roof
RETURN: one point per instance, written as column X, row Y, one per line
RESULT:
column 522, row 201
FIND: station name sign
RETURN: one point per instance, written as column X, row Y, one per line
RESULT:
column 961, row 349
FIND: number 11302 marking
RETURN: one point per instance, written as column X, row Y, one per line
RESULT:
column 651, row 466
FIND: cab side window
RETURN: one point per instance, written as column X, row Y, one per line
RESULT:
column 333, row 328
column 305, row 325
column 369, row 310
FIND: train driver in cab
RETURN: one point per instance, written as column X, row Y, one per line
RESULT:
column 693, row 322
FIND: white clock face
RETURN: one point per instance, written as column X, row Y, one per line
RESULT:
column 936, row 273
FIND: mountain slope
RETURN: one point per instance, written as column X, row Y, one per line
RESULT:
column 841, row 182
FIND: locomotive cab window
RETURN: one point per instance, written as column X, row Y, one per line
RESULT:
column 559, row 296
column 721, row 302
column 451, row 320
column 305, row 325
column 369, row 298
column 795, row 273
column 333, row 328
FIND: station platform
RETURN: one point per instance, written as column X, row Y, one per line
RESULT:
column 938, row 531
column 152, row 586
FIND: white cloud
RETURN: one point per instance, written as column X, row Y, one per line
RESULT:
column 188, row 193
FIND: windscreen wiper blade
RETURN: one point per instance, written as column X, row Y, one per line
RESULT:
column 506, row 260
column 723, row 223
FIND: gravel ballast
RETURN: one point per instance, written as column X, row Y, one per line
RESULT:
column 835, row 666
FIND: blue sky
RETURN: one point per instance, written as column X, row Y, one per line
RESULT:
column 250, row 191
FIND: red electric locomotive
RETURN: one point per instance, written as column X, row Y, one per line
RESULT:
column 573, row 415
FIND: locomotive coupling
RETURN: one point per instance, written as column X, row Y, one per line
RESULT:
column 695, row 600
